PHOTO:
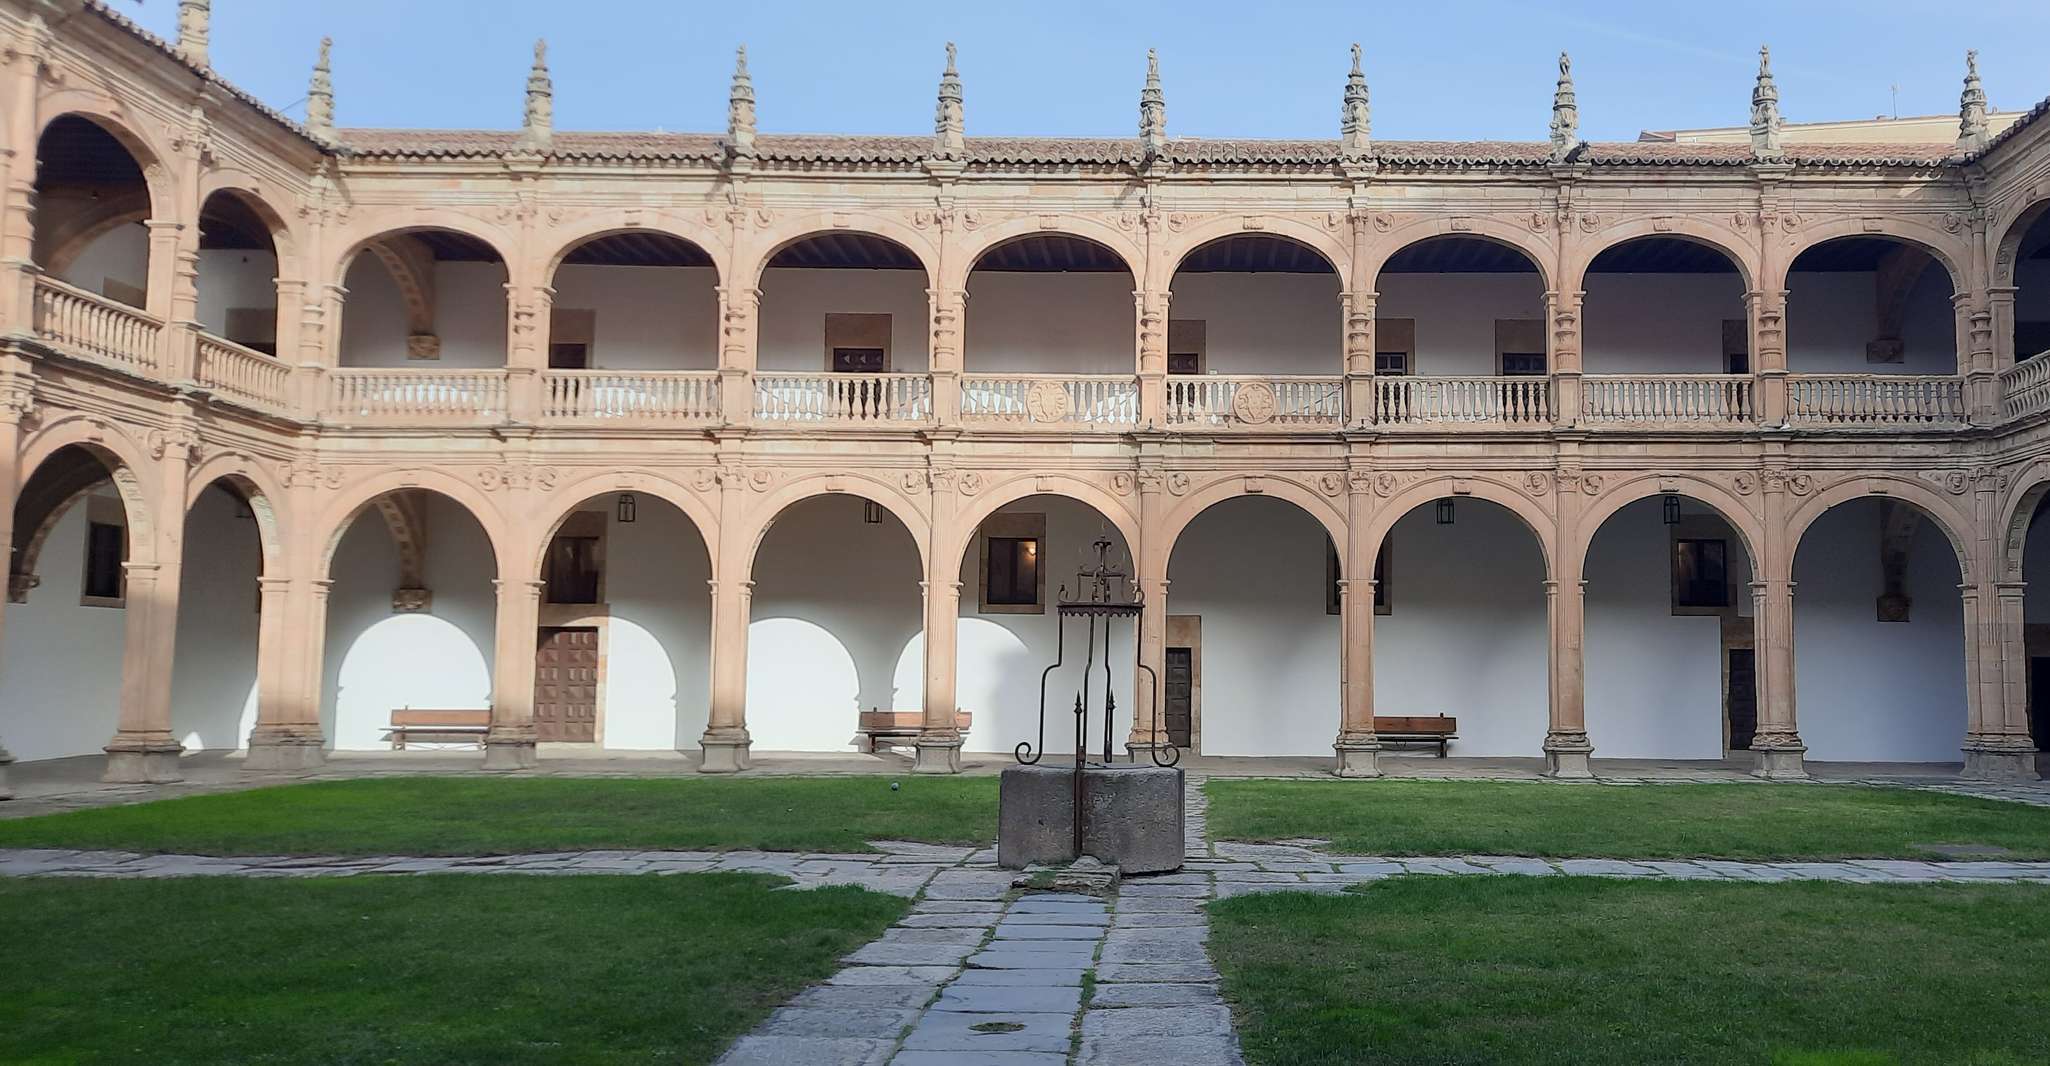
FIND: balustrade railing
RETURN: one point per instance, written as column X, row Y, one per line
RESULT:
column 425, row 396
column 1514, row 401
column 673, row 396
column 843, row 398
column 1251, row 401
column 243, row 375
column 1667, row 399
column 2025, row 387
column 94, row 327
column 1875, row 400
column 1087, row 400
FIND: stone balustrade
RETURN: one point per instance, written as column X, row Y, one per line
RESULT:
column 842, row 398
column 92, row 327
column 243, row 375
column 1067, row 401
column 1510, row 402
column 1706, row 400
column 1885, row 400
column 1254, row 401
column 2025, row 387
column 661, row 397
column 414, row 397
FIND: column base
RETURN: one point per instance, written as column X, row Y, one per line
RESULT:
column 150, row 759
column 1780, row 757
column 938, row 753
column 2000, row 757
column 1568, row 756
column 725, row 752
column 510, row 749
column 284, row 749
column 1358, row 756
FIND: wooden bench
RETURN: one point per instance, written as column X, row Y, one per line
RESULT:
column 1414, row 729
column 417, row 721
column 899, row 725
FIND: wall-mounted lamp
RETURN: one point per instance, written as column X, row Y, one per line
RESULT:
column 872, row 512
column 1672, row 511
column 628, row 507
column 1445, row 511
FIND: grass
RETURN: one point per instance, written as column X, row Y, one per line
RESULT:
column 442, row 969
column 1594, row 972
column 491, row 816
column 1666, row 821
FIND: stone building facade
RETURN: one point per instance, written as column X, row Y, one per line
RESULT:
column 411, row 328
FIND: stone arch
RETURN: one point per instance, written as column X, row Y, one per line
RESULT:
column 1413, row 496
column 979, row 242
column 352, row 500
column 258, row 487
column 2007, row 249
column 2018, row 512
column 1945, row 249
column 874, row 489
column 104, row 112
column 564, row 500
column 818, row 224
column 396, row 222
column 246, row 188
column 1327, row 245
column 624, row 221
column 1224, row 488
column 1940, row 513
column 1727, row 505
column 987, row 501
column 1534, row 247
column 119, row 453
column 1732, row 244
column 115, row 212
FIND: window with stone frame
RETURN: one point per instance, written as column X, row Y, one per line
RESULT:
column 1011, row 564
column 1701, row 573
column 1520, row 347
column 1736, row 346
column 572, row 334
column 574, row 570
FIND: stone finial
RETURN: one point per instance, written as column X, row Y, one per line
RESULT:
column 740, row 109
column 949, row 129
column 539, row 123
column 1765, row 111
column 320, row 95
column 1153, row 107
column 1972, row 132
column 195, row 19
column 1565, row 113
column 1355, row 140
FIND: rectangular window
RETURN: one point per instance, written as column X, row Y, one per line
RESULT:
column 860, row 361
column 572, row 335
column 1188, row 345
column 1736, row 346
column 1395, row 345
column 1701, row 576
column 1520, row 347
column 1013, row 564
column 1391, row 363
column 106, row 546
column 572, row 572
column 1523, row 364
column 858, row 343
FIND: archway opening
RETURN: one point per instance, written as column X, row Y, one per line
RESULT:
column 1456, row 306
column 836, row 600
column 843, row 332
column 1870, row 305
column 2036, row 625
column 1259, row 306
column 91, row 203
column 624, row 650
column 2032, row 287
column 238, row 271
column 425, row 298
column 1253, row 608
column 1461, row 626
column 213, row 675
column 411, row 621
column 635, row 300
column 1671, row 656
column 1024, row 365
column 1878, row 636
column 1664, row 305
column 1024, row 558
column 61, row 661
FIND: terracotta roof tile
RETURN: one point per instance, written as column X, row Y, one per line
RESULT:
column 100, row 8
column 2035, row 114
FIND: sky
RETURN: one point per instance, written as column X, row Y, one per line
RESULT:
column 1454, row 69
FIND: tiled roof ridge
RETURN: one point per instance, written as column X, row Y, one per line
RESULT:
column 103, row 10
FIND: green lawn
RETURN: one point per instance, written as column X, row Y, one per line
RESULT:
column 1676, row 821
column 490, row 816
column 1591, row 972
column 441, row 969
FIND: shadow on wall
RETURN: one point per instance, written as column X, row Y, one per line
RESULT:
column 405, row 660
column 213, row 676
column 803, row 689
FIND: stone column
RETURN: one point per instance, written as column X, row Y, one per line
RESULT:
column 1777, row 743
column 1152, row 313
column 945, row 307
column 1149, row 567
column 161, row 281
column 1359, row 356
column 18, row 180
column 1976, row 359
column 726, row 742
column 1357, row 748
column 290, row 319
column 287, row 735
column 510, row 743
column 1562, row 311
column 1998, row 745
column 2000, row 310
column 15, row 401
column 143, row 748
column 1567, row 748
column 939, row 737
column 1767, row 313
column 739, row 309
column 529, row 310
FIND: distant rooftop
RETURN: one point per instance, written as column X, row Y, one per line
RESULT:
column 1915, row 129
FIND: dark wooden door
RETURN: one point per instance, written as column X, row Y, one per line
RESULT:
column 1743, row 698
column 1179, row 699
column 2039, row 701
column 566, row 685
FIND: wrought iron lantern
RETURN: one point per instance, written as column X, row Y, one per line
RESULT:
column 1672, row 509
column 871, row 512
column 1445, row 511
column 628, row 508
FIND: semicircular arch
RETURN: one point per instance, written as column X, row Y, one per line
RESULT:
column 874, row 489
column 1727, row 505
column 1225, row 488
column 1533, row 247
column 1410, row 497
column 1940, row 512
column 353, row 498
column 1323, row 242
column 1732, row 244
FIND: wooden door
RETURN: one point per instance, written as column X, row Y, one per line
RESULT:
column 1179, row 699
column 1743, row 698
column 566, row 685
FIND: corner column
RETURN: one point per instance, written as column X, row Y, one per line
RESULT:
column 725, row 744
column 510, row 744
column 1976, row 348
column 16, row 400
column 1998, row 745
column 939, row 736
column 143, row 749
column 530, row 308
column 1357, row 748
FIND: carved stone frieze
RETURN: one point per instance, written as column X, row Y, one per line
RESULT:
column 515, row 478
column 1537, row 483
column 1331, row 483
column 1253, row 403
column 1048, row 401
column 971, row 483
column 1123, row 482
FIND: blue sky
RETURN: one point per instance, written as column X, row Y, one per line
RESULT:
column 1452, row 69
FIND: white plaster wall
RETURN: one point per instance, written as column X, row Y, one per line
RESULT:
column 836, row 607
column 1654, row 679
column 1254, row 568
column 469, row 316
column 1661, row 323
column 377, row 660
column 1830, row 317
column 648, row 318
column 1265, row 323
column 2036, row 571
column 795, row 304
column 1001, row 656
column 60, row 663
column 121, row 253
column 230, row 277
column 1049, row 323
column 1455, row 316
column 213, row 676
column 658, row 649
column 1870, row 690
column 1467, row 633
